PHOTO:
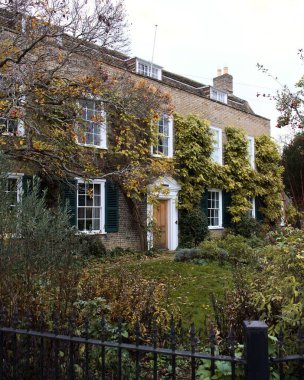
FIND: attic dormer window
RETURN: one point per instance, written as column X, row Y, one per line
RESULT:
column 148, row 69
column 218, row 95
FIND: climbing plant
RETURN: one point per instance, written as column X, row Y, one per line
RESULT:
column 269, row 184
column 239, row 175
column 193, row 163
column 197, row 171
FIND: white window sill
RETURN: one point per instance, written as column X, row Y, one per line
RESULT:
column 91, row 232
column 93, row 146
column 161, row 156
column 215, row 228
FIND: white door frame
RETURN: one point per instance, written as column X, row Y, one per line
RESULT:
column 171, row 189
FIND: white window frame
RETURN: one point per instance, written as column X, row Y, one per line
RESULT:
column 18, row 130
column 218, row 95
column 148, row 69
column 100, row 182
column 217, row 146
column 169, row 119
column 220, row 210
column 102, row 124
column 18, row 177
column 251, row 151
column 252, row 209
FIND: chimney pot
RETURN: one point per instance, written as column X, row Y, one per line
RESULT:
column 225, row 70
column 219, row 72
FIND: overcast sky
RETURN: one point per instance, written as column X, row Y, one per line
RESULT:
column 196, row 37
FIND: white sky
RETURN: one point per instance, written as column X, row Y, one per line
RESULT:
column 196, row 37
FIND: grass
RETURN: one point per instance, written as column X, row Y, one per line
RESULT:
column 189, row 285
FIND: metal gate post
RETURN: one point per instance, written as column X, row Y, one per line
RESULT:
column 256, row 350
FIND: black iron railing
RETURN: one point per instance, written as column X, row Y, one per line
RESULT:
column 30, row 354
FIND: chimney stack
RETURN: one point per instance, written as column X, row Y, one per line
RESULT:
column 223, row 82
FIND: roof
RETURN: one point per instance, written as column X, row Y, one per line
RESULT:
column 177, row 81
column 125, row 62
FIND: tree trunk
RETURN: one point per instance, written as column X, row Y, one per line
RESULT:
column 139, row 219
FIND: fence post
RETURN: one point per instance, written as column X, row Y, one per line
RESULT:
column 256, row 350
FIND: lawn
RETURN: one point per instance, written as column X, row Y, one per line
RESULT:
column 189, row 284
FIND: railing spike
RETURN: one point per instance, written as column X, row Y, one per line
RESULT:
column 155, row 332
column 103, row 328
column 55, row 322
column 137, row 332
column 41, row 321
column 172, row 333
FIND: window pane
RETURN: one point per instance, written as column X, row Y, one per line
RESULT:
column 88, row 225
column 81, row 213
column 97, row 200
column 81, row 225
column 97, row 189
column 96, row 212
column 88, row 213
column 96, row 224
column 97, row 140
column 81, row 188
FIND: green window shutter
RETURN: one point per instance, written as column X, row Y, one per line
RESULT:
column 226, row 204
column 27, row 184
column 204, row 203
column 68, row 195
column 111, row 207
column 258, row 204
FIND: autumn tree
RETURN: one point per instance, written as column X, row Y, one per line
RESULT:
column 289, row 103
column 51, row 62
column 52, row 56
column 46, row 53
column 293, row 162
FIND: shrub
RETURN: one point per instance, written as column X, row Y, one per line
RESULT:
column 246, row 227
column 209, row 249
column 256, row 242
column 38, row 258
column 187, row 254
column 193, row 226
column 91, row 245
column 237, row 248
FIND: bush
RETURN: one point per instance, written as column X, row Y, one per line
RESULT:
column 41, row 253
column 237, row 248
column 193, row 226
column 246, row 227
column 187, row 254
column 91, row 245
column 210, row 250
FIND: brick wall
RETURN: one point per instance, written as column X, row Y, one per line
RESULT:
column 218, row 114
column 127, row 235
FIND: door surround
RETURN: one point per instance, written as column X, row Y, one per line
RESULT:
column 171, row 189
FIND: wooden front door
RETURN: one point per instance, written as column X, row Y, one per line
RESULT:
column 160, row 233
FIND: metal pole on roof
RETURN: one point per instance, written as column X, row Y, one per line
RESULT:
column 153, row 49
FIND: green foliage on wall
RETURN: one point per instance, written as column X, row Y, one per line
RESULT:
column 197, row 172
column 193, row 148
column 239, row 175
column 269, row 184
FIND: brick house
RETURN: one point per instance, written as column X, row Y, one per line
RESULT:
column 98, row 206
column 215, row 103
